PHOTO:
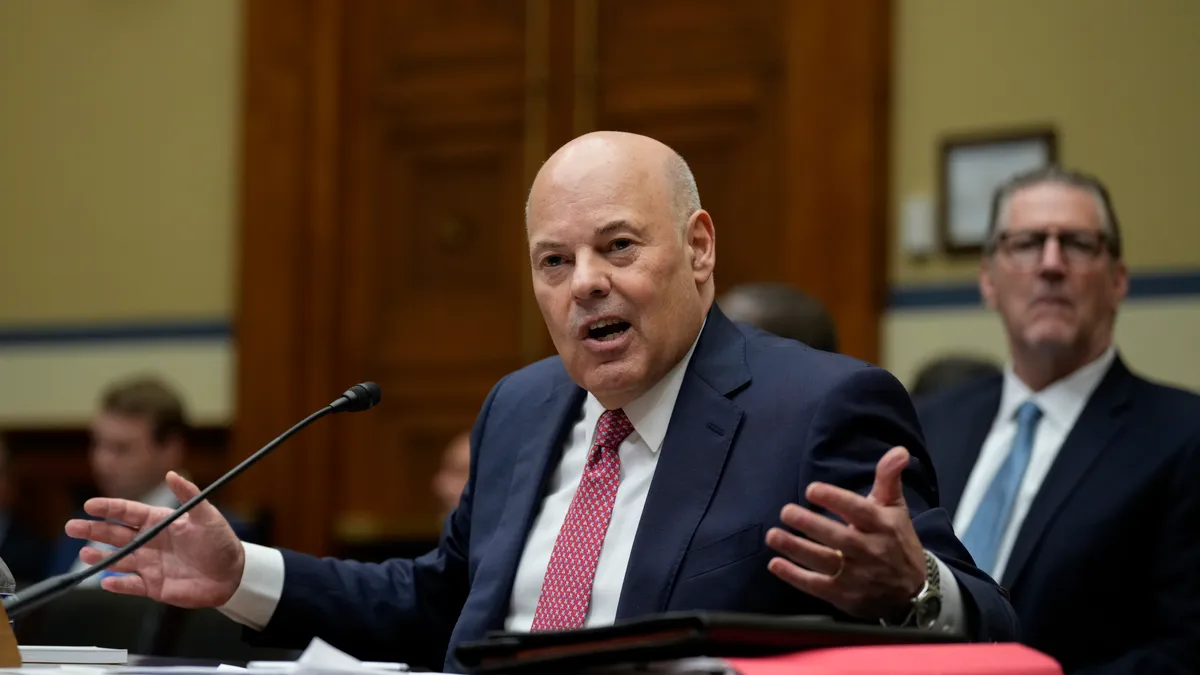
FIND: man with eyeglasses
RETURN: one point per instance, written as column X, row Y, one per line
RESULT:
column 1071, row 480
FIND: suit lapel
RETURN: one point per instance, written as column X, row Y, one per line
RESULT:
column 958, row 460
column 703, row 425
column 535, row 461
column 1097, row 427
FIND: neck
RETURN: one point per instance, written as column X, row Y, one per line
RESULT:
column 1040, row 367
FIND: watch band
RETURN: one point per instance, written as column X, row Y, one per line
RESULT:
column 928, row 598
column 933, row 573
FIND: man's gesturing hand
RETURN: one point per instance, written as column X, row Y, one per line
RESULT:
column 196, row 562
column 872, row 566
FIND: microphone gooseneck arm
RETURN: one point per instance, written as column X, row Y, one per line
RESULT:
column 359, row 397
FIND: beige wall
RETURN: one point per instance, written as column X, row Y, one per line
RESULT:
column 118, row 180
column 118, row 170
column 1120, row 79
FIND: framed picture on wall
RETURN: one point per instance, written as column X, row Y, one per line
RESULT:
column 971, row 167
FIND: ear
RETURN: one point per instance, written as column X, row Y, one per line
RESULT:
column 1121, row 281
column 700, row 237
column 986, row 287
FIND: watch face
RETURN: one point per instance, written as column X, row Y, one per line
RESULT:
column 928, row 611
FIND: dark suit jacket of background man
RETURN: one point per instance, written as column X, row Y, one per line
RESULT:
column 24, row 552
column 757, row 419
column 1107, row 562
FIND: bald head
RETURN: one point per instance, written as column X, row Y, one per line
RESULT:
column 783, row 310
column 622, row 258
column 646, row 157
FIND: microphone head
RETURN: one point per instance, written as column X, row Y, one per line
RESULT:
column 360, row 397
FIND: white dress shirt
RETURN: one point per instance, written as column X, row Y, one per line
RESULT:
column 262, row 581
column 1061, row 403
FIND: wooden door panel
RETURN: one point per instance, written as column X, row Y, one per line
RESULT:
column 434, row 180
column 705, row 78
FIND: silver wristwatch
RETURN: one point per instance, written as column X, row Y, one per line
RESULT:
column 927, row 604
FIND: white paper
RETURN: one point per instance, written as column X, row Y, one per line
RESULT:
column 321, row 657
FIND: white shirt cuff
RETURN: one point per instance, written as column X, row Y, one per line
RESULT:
column 255, row 600
column 951, row 619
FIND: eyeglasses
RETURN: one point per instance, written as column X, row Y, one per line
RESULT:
column 1027, row 247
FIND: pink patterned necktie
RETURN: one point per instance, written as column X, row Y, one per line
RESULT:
column 567, row 588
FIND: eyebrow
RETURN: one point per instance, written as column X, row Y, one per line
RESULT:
column 610, row 228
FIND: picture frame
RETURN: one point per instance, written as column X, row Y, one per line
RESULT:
column 971, row 167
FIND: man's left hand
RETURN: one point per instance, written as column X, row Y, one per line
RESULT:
column 870, row 567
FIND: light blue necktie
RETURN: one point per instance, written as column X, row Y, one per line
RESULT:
column 987, row 528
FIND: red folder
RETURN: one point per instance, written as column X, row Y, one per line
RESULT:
column 952, row 659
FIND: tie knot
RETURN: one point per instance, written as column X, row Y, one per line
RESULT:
column 613, row 428
column 1028, row 413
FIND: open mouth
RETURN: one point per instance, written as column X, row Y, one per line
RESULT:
column 607, row 329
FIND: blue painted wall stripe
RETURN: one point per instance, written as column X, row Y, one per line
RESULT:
column 1144, row 285
column 124, row 332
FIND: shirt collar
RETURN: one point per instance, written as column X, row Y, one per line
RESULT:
column 650, row 413
column 1063, row 400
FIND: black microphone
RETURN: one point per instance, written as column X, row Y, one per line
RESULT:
column 357, row 398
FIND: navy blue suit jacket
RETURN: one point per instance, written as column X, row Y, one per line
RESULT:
column 757, row 419
column 1105, row 573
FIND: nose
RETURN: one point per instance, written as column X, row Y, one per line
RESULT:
column 590, row 278
column 1052, row 258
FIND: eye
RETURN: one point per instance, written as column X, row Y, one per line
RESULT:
column 552, row 261
column 1025, row 242
column 621, row 244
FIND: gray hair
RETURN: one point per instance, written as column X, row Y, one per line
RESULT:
column 1054, row 174
column 685, row 195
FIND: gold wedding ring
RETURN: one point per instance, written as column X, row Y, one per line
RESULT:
column 841, row 563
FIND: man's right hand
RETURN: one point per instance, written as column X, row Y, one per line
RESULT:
column 195, row 562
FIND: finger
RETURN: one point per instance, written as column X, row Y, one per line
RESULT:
column 801, row 551
column 822, row 529
column 889, row 489
column 113, row 534
column 132, row 513
column 127, row 585
column 814, row 583
column 93, row 556
column 854, row 508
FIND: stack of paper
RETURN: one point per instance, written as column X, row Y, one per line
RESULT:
column 103, row 656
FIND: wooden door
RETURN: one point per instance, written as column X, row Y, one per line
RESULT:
column 389, row 146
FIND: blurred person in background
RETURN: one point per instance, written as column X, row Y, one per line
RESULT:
column 451, row 478
column 951, row 370
column 22, row 549
column 1071, row 480
column 782, row 310
column 138, row 435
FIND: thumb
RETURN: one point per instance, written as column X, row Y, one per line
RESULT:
column 184, row 490
column 888, row 489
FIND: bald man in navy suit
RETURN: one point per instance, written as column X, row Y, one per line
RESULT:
column 665, row 460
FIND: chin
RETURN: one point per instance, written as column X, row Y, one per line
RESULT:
column 612, row 379
column 1050, row 339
